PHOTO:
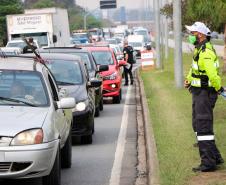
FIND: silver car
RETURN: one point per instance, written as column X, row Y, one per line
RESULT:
column 35, row 126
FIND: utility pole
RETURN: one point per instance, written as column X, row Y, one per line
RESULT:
column 85, row 17
column 166, row 33
column 178, row 65
column 157, row 34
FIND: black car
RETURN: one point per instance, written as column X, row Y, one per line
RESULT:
column 93, row 69
column 72, row 75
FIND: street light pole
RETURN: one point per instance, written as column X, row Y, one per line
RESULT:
column 157, row 34
column 178, row 65
column 166, row 33
column 85, row 17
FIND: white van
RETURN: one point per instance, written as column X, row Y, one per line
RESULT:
column 137, row 42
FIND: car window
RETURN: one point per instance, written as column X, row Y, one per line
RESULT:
column 26, row 86
column 85, row 58
column 53, row 88
column 103, row 57
column 115, row 58
column 16, row 44
column 66, row 72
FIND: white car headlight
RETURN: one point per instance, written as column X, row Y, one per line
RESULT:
column 28, row 137
column 81, row 106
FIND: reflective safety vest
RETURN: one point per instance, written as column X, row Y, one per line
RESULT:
column 205, row 67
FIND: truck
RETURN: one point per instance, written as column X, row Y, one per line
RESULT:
column 49, row 26
column 121, row 31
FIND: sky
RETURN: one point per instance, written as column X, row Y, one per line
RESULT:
column 129, row 4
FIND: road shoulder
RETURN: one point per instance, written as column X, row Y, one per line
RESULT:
column 147, row 150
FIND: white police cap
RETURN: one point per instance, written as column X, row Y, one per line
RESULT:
column 199, row 27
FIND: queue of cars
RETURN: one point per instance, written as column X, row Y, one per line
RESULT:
column 48, row 101
column 35, row 131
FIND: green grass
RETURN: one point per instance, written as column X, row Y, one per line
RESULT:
column 170, row 111
column 217, row 42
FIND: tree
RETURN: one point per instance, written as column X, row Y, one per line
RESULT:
column 44, row 4
column 76, row 19
column 211, row 12
column 7, row 7
column 66, row 3
column 49, row 3
column 29, row 3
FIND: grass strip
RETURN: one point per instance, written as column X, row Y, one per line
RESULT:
column 170, row 112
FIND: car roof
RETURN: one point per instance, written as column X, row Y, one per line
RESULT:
column 67, row 50
column 73, row 48
column 58, row 56
column 98, row 48
column 20, row 63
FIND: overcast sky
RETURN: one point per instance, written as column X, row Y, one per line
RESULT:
column 129, row 4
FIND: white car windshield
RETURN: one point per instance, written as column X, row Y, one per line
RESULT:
column 22, row 88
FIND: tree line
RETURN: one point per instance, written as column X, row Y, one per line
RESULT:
column 75, row 13
column 211, row 12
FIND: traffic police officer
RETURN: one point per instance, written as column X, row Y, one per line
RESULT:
column 128, row 57
column 204, row 82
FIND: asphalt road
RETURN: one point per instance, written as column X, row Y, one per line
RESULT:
column 112, row 158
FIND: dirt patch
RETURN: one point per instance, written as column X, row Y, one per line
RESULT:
column 209, row 178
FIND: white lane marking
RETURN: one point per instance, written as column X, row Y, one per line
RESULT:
column 117, row 165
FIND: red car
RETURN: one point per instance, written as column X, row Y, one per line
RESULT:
column 112, row 79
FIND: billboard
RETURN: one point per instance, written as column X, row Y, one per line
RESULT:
column 28, row 23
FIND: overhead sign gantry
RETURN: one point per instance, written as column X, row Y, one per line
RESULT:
column 108, row 4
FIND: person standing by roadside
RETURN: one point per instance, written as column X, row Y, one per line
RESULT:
column 128, row 57
column 204, row 82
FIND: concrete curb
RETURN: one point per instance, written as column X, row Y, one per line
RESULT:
column 141, row 149
column 151, row 150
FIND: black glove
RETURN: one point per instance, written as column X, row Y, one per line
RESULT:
column 220, row 90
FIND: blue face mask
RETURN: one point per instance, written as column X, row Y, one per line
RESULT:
column 192, row 39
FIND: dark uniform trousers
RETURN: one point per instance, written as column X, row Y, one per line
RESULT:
column 128, row 71
column 203, row 102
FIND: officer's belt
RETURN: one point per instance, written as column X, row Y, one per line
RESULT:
column 200, row 76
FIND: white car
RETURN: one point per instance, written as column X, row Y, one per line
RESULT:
column 10, row 51
column 35, row 127
column 19, row 44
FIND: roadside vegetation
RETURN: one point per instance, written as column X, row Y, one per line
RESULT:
column 170, row 112
column 75, row 13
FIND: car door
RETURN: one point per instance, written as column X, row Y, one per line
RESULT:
column 91, row 91
column 61, row 121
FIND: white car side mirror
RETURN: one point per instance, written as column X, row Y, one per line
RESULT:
column 66, row 103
